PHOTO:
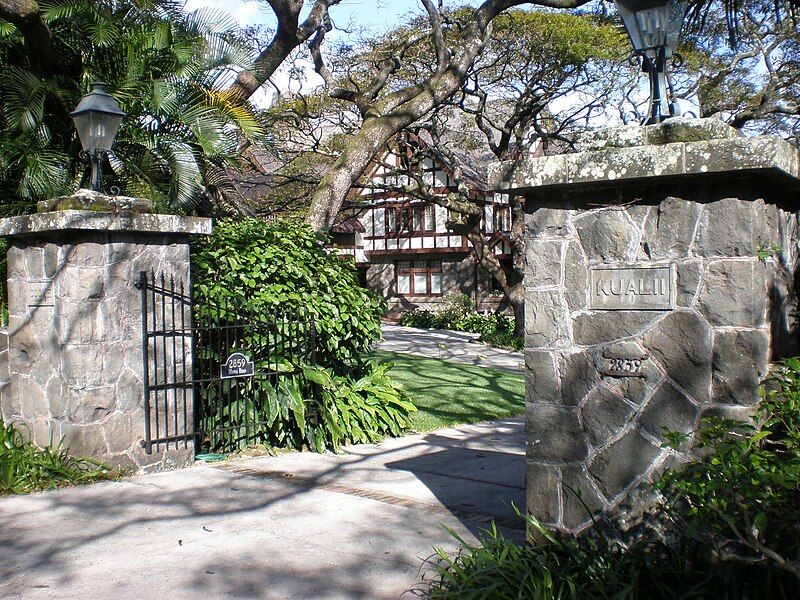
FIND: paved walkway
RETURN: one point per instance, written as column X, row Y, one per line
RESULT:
column 300, row 525
column 454, row 346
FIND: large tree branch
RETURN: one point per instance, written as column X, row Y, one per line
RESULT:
column 290, row 33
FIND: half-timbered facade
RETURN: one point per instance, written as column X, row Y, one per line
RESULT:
column 403, row 247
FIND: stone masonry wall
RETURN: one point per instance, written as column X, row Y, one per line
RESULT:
column 75, row 332
column 595, row 441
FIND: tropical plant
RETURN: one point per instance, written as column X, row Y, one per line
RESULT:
column 25, row 468
column 285, row 265
column 255, row 270
column 167, row 69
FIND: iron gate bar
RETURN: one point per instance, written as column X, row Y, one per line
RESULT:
column 155, row 292
column 283, row 336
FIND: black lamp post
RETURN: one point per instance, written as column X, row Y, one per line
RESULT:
column 654, row 27
column 97, row 119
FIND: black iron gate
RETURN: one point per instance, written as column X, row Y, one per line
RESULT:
column 211, row 371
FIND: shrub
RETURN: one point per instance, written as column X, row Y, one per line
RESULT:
column 457, row 315
column 588, row 568
column 25, row 468
column 727, row 526
column 285, row 265
column 741, row 498
column 252, row 268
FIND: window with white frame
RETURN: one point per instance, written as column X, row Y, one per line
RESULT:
column 419, row 277
column 502, row 217
column 410, row 219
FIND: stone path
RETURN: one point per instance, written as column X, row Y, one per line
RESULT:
column 300, row 525
column 454, row 346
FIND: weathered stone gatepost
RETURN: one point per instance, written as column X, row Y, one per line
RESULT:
column 661, row 263
column 75, row 352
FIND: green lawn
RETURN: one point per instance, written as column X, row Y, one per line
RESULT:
column 449, row 393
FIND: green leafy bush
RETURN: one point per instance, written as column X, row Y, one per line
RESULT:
column 592, row 567
column 457, row 315
column 741, row 498
column 360, row 411
column 284, row 265
column 25, row 468
column 727, row 527
column 251, row 269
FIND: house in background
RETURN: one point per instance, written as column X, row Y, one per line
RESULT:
column 402, row 246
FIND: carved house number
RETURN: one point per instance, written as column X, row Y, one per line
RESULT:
column 623, row 366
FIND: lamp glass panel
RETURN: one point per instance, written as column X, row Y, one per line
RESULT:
column 677, row 11
column 97, row 129
column 652, row 24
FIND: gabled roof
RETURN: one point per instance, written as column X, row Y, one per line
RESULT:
column 349, row 225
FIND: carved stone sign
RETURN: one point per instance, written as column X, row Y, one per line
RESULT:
column 237, row 365
column 623, row 366
column 632, row 288
column 40, row 293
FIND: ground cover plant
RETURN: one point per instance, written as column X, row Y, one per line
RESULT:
column 25, row 467
column 457, row 315
column 448, row 393
column 255, row 269
column 727, row 526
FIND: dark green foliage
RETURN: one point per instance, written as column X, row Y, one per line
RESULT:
column 588, row 568
column 360, row 411
column 457, row 315
column 257, row 268
column 285, row 265
column 26, row 468
column 727, row 527
column 167, row 69
column 742, row 497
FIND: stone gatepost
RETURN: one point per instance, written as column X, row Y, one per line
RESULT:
column 75, row 357
column 661, row 263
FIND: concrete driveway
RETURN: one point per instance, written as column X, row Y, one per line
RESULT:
column 300, row 525
column 455, row 346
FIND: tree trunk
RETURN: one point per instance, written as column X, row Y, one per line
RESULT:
column 516, row 297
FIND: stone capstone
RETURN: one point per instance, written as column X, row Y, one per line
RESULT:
column 85, row 199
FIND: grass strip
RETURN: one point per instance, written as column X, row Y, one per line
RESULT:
column 449, row 393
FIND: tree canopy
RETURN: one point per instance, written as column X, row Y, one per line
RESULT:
column 168, row 70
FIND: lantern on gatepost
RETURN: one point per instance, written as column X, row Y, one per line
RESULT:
column 97, row 119
column 654, row 27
